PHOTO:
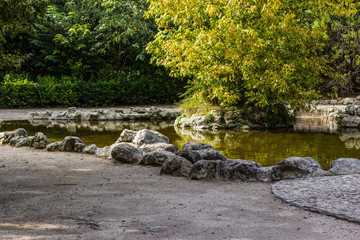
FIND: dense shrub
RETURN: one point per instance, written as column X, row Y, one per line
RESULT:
column 17, row 91
column 132, row 87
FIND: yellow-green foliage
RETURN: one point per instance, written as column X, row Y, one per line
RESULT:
column 254, row 52
column 195, row 106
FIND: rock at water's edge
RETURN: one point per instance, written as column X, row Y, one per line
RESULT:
column 344, row 166
column 126, row 153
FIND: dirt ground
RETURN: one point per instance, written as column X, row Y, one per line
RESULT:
column 56, row 195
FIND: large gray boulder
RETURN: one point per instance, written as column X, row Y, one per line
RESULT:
column 203, row 169
column 21, row 132
column 40, row 141
column 176, row 166
column 350, row 109
column 158, row 147
column 191, row 155
column 265, row 174
column 148, row 141
column 195, row 146
column 72, row 144
column 297, row 167
column 230, row 170
column 238, row 169
column 126, row 153
column 350, row 122
column 52, row 147
column 344, row 166
column 211, row 154
column 156, row 158
column 69, row 144
column 19, row 141
column 146, row 136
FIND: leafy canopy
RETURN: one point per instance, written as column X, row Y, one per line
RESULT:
column 83, row 36
column 16, row 20
column 254, row 52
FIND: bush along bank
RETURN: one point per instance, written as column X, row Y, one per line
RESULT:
column 195, row 160
column 121, row 89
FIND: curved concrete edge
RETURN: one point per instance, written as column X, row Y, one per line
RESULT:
column 336, row 196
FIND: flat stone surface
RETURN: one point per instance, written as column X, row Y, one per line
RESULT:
column 337, row 196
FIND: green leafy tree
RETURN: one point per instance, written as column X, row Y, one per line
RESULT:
column 343, row 52
column 81, row 37
column 257, row 53
column 16, row 20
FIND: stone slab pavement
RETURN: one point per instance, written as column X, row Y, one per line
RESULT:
column 337, row 196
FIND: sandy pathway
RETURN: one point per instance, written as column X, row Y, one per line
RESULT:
column 53, row 195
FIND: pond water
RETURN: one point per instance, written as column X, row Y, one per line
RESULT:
column 265, row 147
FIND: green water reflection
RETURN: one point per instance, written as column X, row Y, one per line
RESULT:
column 265, row 147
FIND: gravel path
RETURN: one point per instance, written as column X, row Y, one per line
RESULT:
column 57, row 195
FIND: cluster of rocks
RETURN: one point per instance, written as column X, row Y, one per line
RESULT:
column 194, row 161
column 330, row 110
column 143, row 141
column 19, row 138
column 101, row 126
column 236, row 119
column 350, row 118
column 339, row 113
column 72, row 114
column 338, row 101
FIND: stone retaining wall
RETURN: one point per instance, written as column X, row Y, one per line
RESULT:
column 114, row 114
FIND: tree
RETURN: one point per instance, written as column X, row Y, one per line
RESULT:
column 258, row 53
column 81, row 37
column 16, row 20
column 343, row 52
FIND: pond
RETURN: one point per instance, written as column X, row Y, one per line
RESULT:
column 266, row 147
